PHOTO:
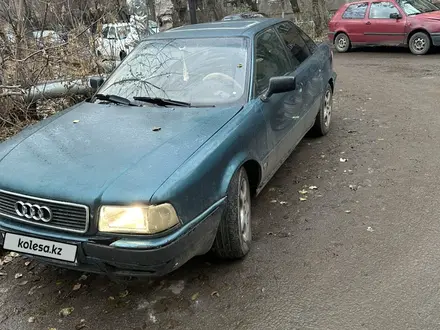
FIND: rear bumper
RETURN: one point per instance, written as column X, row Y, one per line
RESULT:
column 331, row 36
column 134, row 257
column 435, row 39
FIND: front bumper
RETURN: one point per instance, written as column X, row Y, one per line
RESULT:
column 435, row 38
column 132, row 257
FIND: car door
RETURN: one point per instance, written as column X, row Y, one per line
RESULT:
column 352, row 22
column 380, row 29
column 308, row 70
column 281, row 111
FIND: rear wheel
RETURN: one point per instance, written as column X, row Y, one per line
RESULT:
column 324, row 117
column 342, row 43
column 419, row 43
column 234, row 235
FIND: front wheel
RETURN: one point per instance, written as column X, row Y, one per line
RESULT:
column 419, row 43
column 234, row 235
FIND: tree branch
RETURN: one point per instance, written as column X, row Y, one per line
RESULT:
column 53, row 47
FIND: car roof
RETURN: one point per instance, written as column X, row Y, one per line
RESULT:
column 115, row 24
column 233, row 28
column 245, row 15
column 357, row 2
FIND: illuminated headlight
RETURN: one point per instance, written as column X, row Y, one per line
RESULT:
column 137, row 219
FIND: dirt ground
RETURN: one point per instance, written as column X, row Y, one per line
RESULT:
column 362, row 252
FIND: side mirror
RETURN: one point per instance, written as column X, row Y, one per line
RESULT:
column 395, row 16
column 278, row 85
column 96, row 82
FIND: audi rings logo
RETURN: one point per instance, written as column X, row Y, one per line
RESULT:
column 33, row 211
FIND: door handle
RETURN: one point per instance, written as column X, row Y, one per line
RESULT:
column 368, row 23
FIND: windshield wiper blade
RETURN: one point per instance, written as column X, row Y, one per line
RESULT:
column 114, row 99
column 160, row 101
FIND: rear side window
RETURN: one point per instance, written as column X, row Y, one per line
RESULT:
column 294, row 42
column 356, row 11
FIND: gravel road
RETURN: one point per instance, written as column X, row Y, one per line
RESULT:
column 362, row 252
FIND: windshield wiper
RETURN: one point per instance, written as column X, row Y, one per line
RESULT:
column 160, row 101
column 114, row 99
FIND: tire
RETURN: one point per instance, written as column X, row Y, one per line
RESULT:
column 342, row 43
column 323, row 119
column 419, row 43
column 234, row 235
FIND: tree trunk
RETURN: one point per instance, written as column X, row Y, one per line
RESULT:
column 320, row 11
column 20, row 45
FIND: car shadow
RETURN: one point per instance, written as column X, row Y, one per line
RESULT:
column 389, row 49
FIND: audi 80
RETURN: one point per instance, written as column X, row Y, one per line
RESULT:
column 160, row 164
column 409, row 23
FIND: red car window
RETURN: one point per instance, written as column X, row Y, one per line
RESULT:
column 382, row 10
column 355, row 11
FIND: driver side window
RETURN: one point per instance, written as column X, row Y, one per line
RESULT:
column 270, row 60
column 382, row 10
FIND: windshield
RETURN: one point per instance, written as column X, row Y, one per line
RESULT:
column 203, row 71
column 123, row 32
column 415, row 7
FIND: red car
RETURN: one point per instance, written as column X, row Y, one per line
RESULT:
column 411, row 23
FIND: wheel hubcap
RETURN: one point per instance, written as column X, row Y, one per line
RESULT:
column 419, row 44
column 244, row 208
column 342, row 42
column 328, row 108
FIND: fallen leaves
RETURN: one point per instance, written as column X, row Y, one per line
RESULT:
column 343, row 160
column 18, row 275
column 76, row 287
column 156, row 129
column 31, row 319
column 76, row 121
column 66, row 311
column 123, row 294
column 83, row 278
column 215, row 294
column 33, row 289
column 195, row 296
column 370, row 229
column 80, row 325
column 8, row 258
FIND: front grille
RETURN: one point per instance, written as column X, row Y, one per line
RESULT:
column 65, row 216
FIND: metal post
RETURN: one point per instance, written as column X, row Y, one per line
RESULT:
column 192, row 11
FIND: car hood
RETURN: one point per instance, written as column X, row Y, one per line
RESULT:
column 95, row 153
column 434, row 15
